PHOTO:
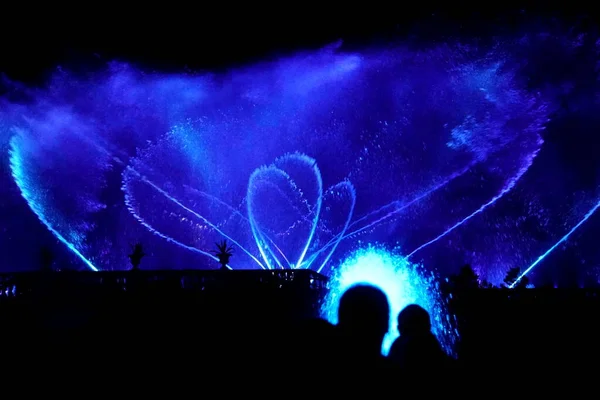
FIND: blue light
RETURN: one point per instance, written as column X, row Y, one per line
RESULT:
column 296, row 162
column 509, row 186
column 35, row 198
column 562, row 240
column 402, row 282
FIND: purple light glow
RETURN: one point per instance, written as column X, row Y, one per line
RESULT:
column 298, row 162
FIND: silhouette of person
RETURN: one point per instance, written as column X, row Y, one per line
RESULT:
column 363, row 321
column 316, row 344
column 318, row 333
column 417, row 348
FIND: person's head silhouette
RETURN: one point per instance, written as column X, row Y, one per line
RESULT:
column 414, row 320
column 364, row 314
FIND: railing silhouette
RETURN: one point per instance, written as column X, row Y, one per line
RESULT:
column 19, row 284
column 182, row 303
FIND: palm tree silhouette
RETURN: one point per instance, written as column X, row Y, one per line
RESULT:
column 223, row 253
column 136, row 256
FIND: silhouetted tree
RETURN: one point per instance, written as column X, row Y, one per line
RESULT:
column 223, row 253
column 46, row 259
column 466, row 278
column 136, row 256
column 522, row 283
column 511, row 279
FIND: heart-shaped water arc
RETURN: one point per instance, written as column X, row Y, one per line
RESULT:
column 288, row 209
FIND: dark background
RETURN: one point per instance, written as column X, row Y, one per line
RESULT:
column 202, row 36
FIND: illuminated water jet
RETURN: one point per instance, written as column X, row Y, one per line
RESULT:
column 339, row 202
column 511, row 184
column 35, row 200
column 295, row 209
column 294, row 182
column 187, row 150
column 132, row 172
column 402, row 282
column 555, row 245
column 389, row 210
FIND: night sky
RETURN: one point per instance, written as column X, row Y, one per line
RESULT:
column 214, row 37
